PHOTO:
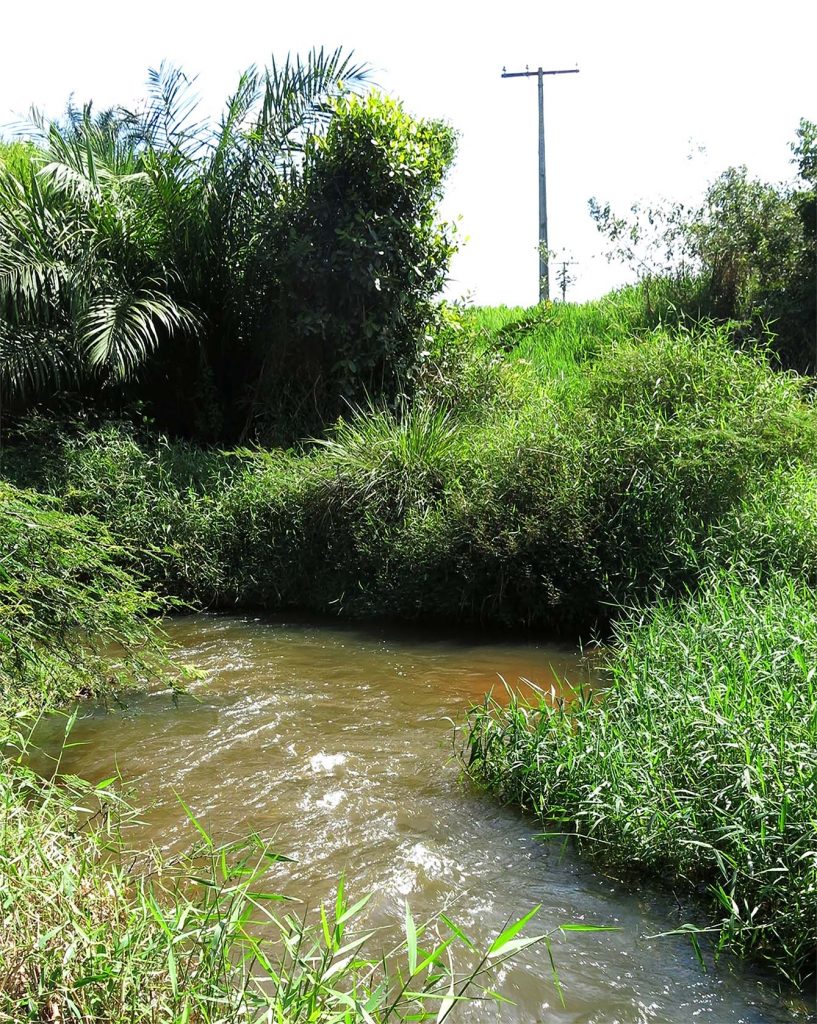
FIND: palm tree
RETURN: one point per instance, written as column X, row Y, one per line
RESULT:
column 124, row 231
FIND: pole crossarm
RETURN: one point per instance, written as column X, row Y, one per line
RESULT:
column 544, row 286
column 539, row 71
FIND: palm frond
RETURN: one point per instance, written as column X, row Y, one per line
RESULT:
column 296, row 94
column 168, row 121
column 234, row 120
column 119, row 329
column 125, row 225
column 35, row 238
column 32, row 361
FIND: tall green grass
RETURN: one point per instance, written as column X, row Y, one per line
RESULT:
column 698, row 764
column 546, row 500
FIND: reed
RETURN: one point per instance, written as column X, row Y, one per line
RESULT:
column 92, row 933
column 698, row 764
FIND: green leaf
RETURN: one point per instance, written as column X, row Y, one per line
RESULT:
column 195, row 821
column 506, row 936
column 411, row 941
column 588, row 928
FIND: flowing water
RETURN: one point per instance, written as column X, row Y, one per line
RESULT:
column 337, row 741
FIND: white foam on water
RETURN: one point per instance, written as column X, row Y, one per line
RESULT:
column 332, row 799
column 326, row 762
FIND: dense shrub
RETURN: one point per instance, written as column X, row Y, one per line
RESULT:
column 235, row 278
column 569, row 493
column 365, row 254
column 677, row 429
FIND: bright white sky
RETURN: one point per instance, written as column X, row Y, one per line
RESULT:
column 657, row 82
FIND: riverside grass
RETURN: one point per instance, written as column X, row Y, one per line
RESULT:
column 555, row 468
column 698, row 763
column 201, row 941
column 516, row 490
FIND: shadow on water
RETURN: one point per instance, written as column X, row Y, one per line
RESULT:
column 337, row 741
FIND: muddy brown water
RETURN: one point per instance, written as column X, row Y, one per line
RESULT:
column 337, row 741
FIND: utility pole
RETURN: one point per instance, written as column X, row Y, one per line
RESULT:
column 544, row 290
column 564, row 277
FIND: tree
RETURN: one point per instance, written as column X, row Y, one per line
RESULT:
column 746, row 253
column 363, row 258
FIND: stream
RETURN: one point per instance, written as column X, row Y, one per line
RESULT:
column 337, row 742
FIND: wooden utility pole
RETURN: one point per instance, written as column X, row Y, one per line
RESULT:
column 544, row 289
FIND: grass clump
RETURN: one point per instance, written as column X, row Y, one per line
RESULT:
column 699, row 764
column 81, row 940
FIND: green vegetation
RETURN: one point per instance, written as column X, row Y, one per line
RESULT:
column 745, row 254
column 64, row 600
column 638, row 467
column 552, row 475
column 86, row 939
column 239, row 279
column 698, row 764
column 527, row 485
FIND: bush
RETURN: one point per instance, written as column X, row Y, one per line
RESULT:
column 746, row 255
column 64, row 601
column 677, row 430
column 365, row 254
column 159, row 499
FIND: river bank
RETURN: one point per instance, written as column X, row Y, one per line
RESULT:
column 567, row 471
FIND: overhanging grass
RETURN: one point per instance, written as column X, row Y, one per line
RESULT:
column 502, row 494
column 90, row 934
column 65, row 602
